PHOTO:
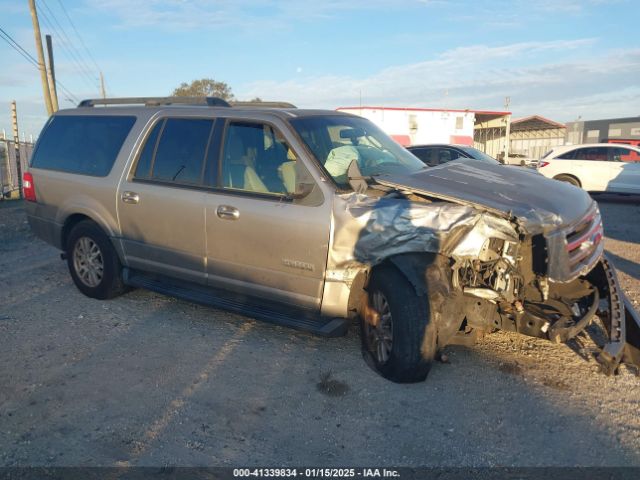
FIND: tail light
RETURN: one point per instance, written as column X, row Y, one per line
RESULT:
column 542, row 164
column 28, row 188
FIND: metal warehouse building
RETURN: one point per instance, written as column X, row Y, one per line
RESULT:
column 614, row 130
column 535, row 135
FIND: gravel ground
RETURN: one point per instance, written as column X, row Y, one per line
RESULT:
column 150, row 380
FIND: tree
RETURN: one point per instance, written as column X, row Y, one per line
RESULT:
column 205, row 87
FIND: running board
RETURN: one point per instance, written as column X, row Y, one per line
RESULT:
column 259, row 309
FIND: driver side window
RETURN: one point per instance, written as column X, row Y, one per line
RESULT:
column 256, row 158
column 619, row 154
column 447, row 155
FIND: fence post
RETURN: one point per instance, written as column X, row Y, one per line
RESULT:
column 3, row 160
column 16, row 140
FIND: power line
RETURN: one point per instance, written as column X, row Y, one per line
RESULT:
column 84, row 45
column 65, row 50
column 27, row 56
column 64, row 9
column 67, row 47
column 64, row 33
column 70, row 97
column 18, row 48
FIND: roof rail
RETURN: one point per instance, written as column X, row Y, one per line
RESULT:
column 156, row 101
column 258, row 104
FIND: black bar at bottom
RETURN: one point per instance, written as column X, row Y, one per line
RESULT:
column 402, row 473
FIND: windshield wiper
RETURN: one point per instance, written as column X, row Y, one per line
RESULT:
column 178, row 172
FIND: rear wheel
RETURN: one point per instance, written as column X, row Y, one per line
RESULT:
column 93, row 262
column 568, row 179
column 399, row 338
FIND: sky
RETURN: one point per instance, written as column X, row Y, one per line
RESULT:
column 562, row 59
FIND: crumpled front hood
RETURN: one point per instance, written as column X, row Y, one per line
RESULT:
column 538, row 202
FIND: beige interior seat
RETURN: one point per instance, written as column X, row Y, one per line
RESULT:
column 238, row 171
column 288, row 175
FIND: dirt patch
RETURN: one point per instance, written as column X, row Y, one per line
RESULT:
column 83, row 382
column 510, row 368
column 331, row 387
column 555, row 383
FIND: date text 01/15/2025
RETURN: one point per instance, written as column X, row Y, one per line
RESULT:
column 315, row 472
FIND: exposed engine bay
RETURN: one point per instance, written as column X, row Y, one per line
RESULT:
column 542, row 279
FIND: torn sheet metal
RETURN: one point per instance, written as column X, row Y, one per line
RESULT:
column 368, row 230
column 539, row 205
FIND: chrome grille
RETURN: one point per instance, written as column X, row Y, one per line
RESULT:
column 584, row 242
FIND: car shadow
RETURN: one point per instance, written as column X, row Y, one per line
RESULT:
column 621, row 198
column 627, row 266
column 620, row 214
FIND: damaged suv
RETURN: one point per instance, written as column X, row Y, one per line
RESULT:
column 311, row 219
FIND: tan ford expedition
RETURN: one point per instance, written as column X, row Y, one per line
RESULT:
column 311, row 219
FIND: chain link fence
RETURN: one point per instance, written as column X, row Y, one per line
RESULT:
column 9, row 178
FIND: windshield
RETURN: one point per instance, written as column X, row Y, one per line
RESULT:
column 338, row 140
column 479, row 155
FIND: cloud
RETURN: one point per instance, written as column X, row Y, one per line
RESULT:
column 570, row 6
column 246, row 14
column 479, row 77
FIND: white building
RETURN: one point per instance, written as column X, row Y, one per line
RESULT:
column 486, row 130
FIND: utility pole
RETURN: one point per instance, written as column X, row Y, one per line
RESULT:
column 16, row 144
column 41, row 64
column 507, row 130
column 52, row 74
column 104, row 92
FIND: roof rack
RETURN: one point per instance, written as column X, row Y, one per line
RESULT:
column 156, row 101
column 259, row 104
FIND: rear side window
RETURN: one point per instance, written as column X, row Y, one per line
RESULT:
column 596, row 154
column 143, row 170
column 83, row 144
column 570, row 155
column 178, row 154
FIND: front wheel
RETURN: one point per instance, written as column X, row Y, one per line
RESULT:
column 568, row 179
column 399, row 338
column 93, row 262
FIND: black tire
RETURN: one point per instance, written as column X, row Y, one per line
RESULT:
column 414, row 334
column 568, row 179
column 104, row 283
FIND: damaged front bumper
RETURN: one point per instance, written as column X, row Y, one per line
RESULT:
column 621, row 321
column 598, row 293
column 571, row 307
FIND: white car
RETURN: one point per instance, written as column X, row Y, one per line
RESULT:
column 596, row 167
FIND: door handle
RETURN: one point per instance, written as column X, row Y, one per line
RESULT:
column 227, row 212
column 130, row 197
